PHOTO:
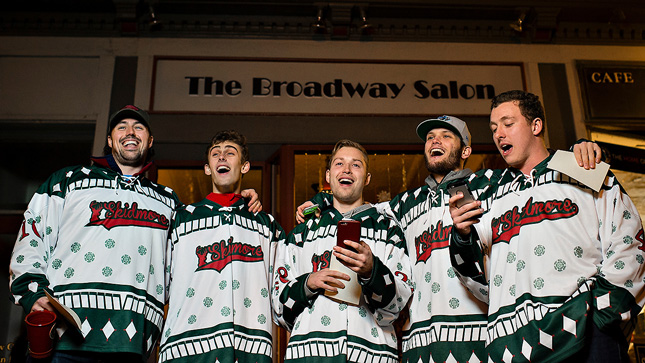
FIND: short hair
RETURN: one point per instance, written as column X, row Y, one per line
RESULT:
column 349, row 143
column 232, row 136
column 529, row 104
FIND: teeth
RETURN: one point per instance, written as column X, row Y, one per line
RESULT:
column 346, row 181
column 222, row 169
column 127, row 143
column 436, row 152
column 506, row 147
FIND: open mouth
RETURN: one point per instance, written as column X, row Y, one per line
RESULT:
column 506, row 148
column 223, row 169
column 437, row 152
column 130, row 143
column 346, row 181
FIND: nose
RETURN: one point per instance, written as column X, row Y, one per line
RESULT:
column 129, row 130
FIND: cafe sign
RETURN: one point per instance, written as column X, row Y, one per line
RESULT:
column 327, row 87
column 613, row 92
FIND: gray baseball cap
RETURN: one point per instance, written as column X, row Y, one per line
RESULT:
column 451, row 123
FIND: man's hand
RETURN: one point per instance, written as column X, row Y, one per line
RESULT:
column 587, row 154
column 300, row 212
column 42, row 304
column 326, row 279
column 465, row 216
column 361, row 261
column 254, row 200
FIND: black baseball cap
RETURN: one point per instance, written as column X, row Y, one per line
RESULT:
column 130, row 111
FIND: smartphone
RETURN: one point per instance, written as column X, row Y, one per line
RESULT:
column 461, row 185
column 348, row 229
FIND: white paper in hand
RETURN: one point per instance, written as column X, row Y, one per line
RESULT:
column 565, row 162
column 68, row 314
column 351, row 294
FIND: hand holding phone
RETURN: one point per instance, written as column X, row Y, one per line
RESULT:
column 348, row 229
column 458, row 186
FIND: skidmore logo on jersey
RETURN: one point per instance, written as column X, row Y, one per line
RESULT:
column 508, row 224
column 322, row 261
column 437, row 237
column 115, row 214
column 219, row 254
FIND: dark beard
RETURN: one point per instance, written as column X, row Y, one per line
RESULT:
column 446, row 166
column 136, row 160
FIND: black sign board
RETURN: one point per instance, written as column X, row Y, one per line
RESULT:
column 613, row 92
column 624, row 158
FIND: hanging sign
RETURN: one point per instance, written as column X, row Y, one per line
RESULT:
column 263, row 86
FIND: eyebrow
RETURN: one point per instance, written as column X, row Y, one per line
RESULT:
column 353, row 159
column 433, row 132
column 225, row 147
column 502, row 119
column 136, row 122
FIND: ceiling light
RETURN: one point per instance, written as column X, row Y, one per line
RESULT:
column 517, row 25
column 319, row 25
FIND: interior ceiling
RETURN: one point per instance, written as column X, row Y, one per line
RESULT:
column 500, row 21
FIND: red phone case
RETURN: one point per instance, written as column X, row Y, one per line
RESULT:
column 348, row 230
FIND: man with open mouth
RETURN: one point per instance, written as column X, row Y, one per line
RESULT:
column 325, row 329
column 219, row 264
column 95, row 238
column 564, row 276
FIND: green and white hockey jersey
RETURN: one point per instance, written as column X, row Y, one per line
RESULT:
column 447, row 323
column 220, row 270
column 97, row 239
column 323, row 330
column 561, row 256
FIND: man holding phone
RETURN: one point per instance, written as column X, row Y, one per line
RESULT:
column 565, row 272
column 441, row 304
column 323, row 327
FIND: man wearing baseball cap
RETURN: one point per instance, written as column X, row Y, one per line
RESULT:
column 446, row 323
column 94, row 237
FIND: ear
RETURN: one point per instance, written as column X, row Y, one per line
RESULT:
column 246, row 167
column 150, row 140
column 207, row 170
column 538, row 124
column 368, row 178
column 327, row 176
column 465, row 153
column 109, row 141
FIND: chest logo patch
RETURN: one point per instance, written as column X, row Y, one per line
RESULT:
column 115, row 214
column 508, row 224
column 218, row 255
column 437, row 237
column 320, row 262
